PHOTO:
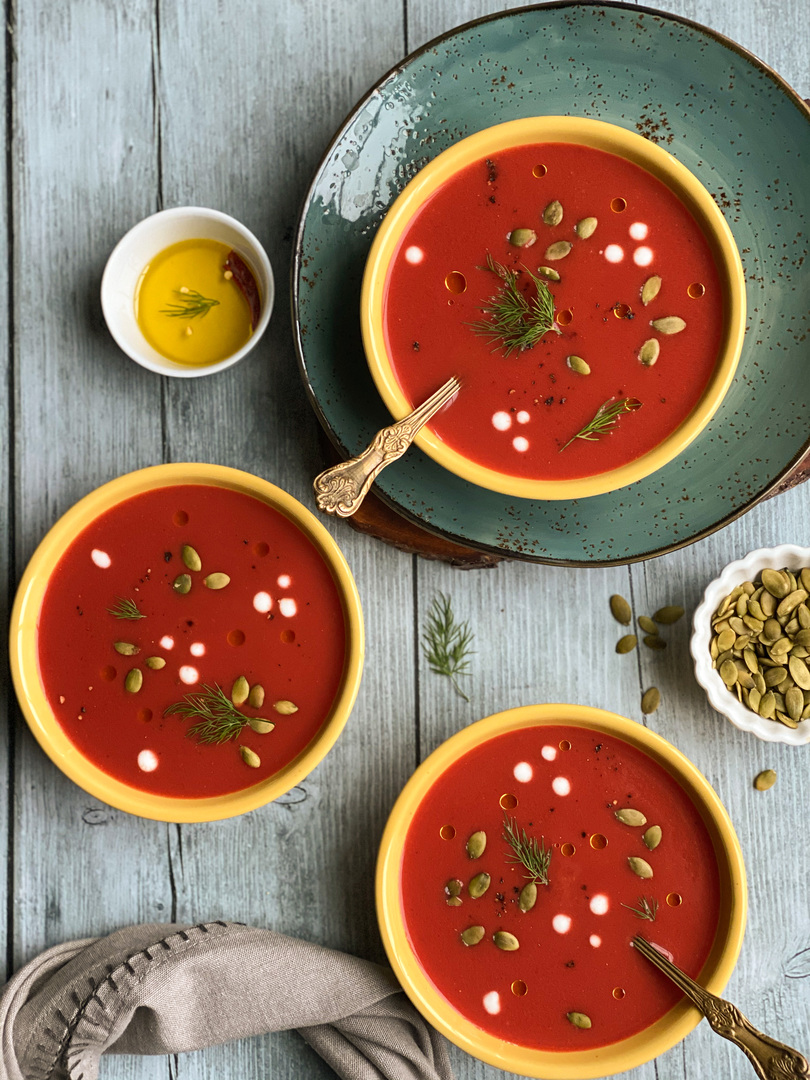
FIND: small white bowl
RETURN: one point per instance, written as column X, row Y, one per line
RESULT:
column 720, row 698
column 146, row 240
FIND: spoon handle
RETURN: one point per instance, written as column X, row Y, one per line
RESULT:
column 772, row 1060
column 341, row 489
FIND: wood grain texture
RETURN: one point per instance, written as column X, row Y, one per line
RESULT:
column 119, row 110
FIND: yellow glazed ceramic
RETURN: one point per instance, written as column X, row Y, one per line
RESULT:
column 601, row 136
column 25, row 667
column 563, row 1065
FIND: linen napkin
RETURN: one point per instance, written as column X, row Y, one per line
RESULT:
column 163, row 989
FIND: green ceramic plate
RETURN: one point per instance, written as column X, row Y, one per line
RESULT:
column 720, row 111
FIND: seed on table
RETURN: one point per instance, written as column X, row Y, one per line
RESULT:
column 765, row 780
column 653, row 641
column 647, row 624
column 620, row 609
column 506, row 941
column 651, row 700
column 476, row 845
column 627, row 643
column 669, row 614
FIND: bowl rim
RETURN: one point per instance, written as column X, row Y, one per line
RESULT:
column 600, row 135
column 25, row 667
column 257, row 253
column 561, row 1065
column 720, row 699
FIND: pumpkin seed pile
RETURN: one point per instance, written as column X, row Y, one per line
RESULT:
column 664, row 616
column 761, row 643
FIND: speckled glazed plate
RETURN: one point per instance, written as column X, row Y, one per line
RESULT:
column 741, row 130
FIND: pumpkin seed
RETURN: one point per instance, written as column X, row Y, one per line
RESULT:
column 479, row 885
column 472, row 935
column 628, row 815
column 759, row 682
column 790, row 602
column 240, row 691
column 804, row 577
column 579, row 1020
column 754, row 625
column 577, row 364
column 256, row 696
column 476, row 845
column 285, row 708
column 668, row 615
column 787, row 720
column 728, row 672
column 528, row 896
column 767, row 706
column 669, row 324
column 125, row 648
column 134, row 681
column 548, row 272
column 650, row 700
column 754, row 698
column 794, row 703
column 453, row 901
column 522, row 238
column 803, row 615
column 653, row 641
column 737, row 625
column 155, row 662
column 775, row 583
column 216, row 581
column 755, row 609
column 765, row 780
column 652, row 837
column 182, row 584
column 250, row 757
column 586, row 227
column 640, row 867
column 627, row 643
column 726, row 640
column 260, row 726
column 553, row 213
column 506, row 941
column 649, row 352
column 650, row 289
column 774, row 676
column 557, row 251
column 190, row 557
column 620, row 609
column 771, row 630
column 768, row 603
column 453, row 887
column 800, row 672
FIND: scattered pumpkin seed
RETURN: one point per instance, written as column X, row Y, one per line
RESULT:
column 453, row 887
column 506, row 941
column 454, row 901
column 182, row 584
column 765, row 780
column 476, row 845
column 528, row 896
column 256, row 696
column 155, row 662
column 522, row 238
column 260, row 726
column 640, row 867
column 649, row 352
column 558, row 250
column 653, row 641
column 647, row 624
column 216, row 581
column 134, row 681
column 473, row 935
column 240, row 691
column 553, row 213
column 627, row 643
column 628, row 815
column 650, row 700
column 250, row 757
column 548, row 272
column 668, row 615
column 620, row 609
column 652, row 837
column 125, row 648
column 669, row 324
column 579, row 1020
column 650, row 289
column 577, row 364
column 586, row 227
column 286, row 708
column 190, row 557
column 479, row 885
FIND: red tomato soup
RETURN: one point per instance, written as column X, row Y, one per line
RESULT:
column 516, row 412
column 563, row 787
column 115, row 682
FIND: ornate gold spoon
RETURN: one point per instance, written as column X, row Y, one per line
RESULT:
column 772, row 1060
column 341, row 489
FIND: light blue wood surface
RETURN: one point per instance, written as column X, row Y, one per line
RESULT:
column 116, row 110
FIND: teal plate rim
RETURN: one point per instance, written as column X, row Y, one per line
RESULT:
column 414, row 502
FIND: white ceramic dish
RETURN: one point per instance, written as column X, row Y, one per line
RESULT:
column 721, row 699
column 140, row 245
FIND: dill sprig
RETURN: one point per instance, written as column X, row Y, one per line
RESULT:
column 604, row 419
column 446, row 643
column 516, row 321
column 647, row 908
column 527, row 851
column 218, row 719
column 125, row 609
column 190, row 305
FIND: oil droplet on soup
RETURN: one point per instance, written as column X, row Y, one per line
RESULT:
column 185, row 288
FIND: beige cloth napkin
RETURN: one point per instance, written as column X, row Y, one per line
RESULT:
column 158, row 989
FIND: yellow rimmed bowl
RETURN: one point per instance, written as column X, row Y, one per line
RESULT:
column 584, row 132
column 573, row 1064
column 25, row 663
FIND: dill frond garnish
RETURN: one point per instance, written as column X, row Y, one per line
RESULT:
column 647, row 908
column 517, row 321
column 218, row 719
column 125, row 609
column 604, row 419
column 190, row 305
column 527, row 851
column 446, row 643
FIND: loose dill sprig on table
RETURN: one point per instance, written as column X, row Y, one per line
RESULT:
column 446, row 643
column 647, row 908
column 527, row 851
column 190, row 305
column 604, row 419
column 516, row 321
column 125, row 609
column 218, row 719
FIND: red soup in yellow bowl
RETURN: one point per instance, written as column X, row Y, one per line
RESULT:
column 187, row 642
column 519, row 863
column 581, row 284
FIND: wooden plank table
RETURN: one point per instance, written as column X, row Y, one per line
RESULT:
column 113, row 111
